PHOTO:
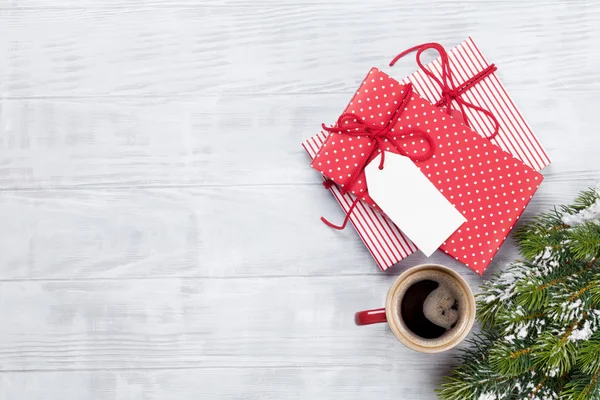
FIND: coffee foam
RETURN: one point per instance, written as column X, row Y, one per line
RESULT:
column 441, row 307
column 446, row 306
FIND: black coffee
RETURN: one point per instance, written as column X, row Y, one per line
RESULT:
column 429, row 310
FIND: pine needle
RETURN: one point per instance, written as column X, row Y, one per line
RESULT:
column 540, row 317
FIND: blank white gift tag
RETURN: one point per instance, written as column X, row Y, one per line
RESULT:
column 415, row 205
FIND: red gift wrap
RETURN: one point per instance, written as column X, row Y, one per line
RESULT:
column 489, row 186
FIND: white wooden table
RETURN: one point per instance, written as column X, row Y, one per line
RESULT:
column 159, row 222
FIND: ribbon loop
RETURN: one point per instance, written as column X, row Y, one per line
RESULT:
column 346, row 218
column 381, row 136
column 449, row 91
column 353, row 125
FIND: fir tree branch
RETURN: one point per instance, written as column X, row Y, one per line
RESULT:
column 534, row 295
column 588, row 359
column 572, row 326
column 519, row 353
column 564, row 278
column 510, row 320
column 540, row 317
column 585, row 240
column 557, row 354
column 594, row 292
column 533, row 237
column 582, row 291
column 584, row 200
column 474, row 375
column 537, row 388
column 588, row 388
column 582, row 387
column 506, row 361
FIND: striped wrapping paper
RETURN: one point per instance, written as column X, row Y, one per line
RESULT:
column 381, row 236
column 514, row 135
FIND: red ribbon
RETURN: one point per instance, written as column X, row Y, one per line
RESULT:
column 352, row 124
column 450, row 91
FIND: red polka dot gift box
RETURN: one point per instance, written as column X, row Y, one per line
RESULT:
column 486, row 184
column 463, row 79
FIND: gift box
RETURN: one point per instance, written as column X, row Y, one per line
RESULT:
column 344, row 156
column 381, row 236
column 474, row 81
column 487, row 185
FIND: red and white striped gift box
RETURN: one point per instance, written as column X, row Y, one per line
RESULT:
column 384, row 240
column 514, row 135
column 381, row 236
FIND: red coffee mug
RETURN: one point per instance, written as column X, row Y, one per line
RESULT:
column 369, row 317
column 392, row 315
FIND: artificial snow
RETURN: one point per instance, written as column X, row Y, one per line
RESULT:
column 572, row 306
column 546, row 255
column 490, row 298
column 581, row 334
column 553, row 372
column 546, row 261
column 487, row 396
column 508, row 279
column 592, row 213
column 522, row 334
column 569, row 310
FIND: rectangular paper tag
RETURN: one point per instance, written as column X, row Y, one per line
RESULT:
column 415, row 205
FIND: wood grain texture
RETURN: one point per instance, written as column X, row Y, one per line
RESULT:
column 175, row 323
column 269, row 48
column 228, row 140
column 159, row 221
column 269, row 231
column 355, row 382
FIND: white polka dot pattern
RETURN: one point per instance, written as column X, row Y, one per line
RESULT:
column 487, row 185
column 515, row 135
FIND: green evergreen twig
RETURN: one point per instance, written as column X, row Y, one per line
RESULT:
column 540, row 318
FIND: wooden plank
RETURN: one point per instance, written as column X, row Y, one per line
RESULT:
column 125, row 142
column 271, row 48
column 356, row 382
column 229, row 140
column 200, row 232
column 129, row 4
column 174, row 232
column 214, row 232
column 198, row 323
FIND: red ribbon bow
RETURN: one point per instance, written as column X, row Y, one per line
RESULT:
column 451, row 92
column 352, row 124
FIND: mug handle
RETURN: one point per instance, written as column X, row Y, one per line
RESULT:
column 369, row 317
